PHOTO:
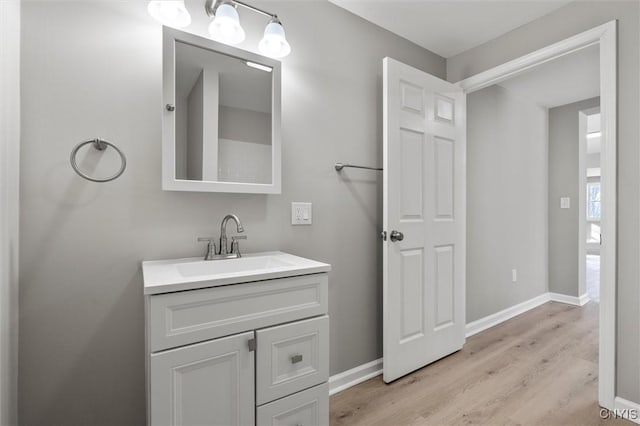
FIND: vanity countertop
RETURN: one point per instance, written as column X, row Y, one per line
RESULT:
column 165, row 276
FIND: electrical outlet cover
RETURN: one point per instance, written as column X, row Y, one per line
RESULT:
column 301, row 213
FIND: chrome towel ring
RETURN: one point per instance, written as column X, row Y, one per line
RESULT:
column 100, row 145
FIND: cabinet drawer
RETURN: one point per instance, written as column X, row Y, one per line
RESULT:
column 306, row 408
column 291, row 357
column 177, row 319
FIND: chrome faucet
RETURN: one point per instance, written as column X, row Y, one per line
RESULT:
column 223, row 251
column 223, row 232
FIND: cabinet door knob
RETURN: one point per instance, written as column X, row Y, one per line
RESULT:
column 296, row 359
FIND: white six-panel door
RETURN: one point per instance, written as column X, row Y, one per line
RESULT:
column 424, row 218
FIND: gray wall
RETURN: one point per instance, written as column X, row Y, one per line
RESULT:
column 564, row 145
column 507, row 140
column 94, row 69
column 9, row 175
column 565, row 22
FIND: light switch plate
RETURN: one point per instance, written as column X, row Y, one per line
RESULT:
column 565, row 202
column 301, row 213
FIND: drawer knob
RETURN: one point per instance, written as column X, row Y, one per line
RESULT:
column 296, row 359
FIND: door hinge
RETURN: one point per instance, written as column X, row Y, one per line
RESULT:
column 252, row 345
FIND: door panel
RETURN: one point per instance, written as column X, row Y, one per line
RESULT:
column 444, row 169
column 424, row 199
column 412, row 295
column 411, row 149
column 444, row 302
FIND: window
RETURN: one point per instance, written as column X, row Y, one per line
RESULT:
column 593, row 201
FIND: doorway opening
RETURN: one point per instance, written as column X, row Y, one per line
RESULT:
column 424, row 119
column 604, row 37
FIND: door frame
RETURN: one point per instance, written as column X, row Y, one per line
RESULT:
column 9, row 207
column 606, row 37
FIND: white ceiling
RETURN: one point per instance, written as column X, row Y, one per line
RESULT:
column 569, row 79
column 449, row 27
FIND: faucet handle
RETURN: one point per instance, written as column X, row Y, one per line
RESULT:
column 235, row 245
column 207, row 239
column 211, row 247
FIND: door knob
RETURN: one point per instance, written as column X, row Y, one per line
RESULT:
column 396, row 236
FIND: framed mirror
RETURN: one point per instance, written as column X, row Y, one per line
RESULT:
column 221, row 117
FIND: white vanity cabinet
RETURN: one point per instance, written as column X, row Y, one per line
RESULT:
column 245, row 353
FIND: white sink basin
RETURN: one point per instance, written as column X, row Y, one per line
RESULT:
column 163, row 276
column 231, row 266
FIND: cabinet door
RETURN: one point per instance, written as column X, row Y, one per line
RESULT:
column 210, row 383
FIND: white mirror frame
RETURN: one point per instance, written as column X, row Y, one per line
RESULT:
column 169, row 182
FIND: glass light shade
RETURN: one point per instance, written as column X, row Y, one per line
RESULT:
column 225, row 27
column 274, row 43
column 172, row 13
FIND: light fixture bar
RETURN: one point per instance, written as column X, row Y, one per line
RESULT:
column 593, row 135
column 255, row 9
column 258, row 66
column 210, row 7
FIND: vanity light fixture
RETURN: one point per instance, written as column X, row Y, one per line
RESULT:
column 225, row 27
column 258, row 66
column 172, row 13
column 274, row 43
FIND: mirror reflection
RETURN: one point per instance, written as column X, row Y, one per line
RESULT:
column 223, row 117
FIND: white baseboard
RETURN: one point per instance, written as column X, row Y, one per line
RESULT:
column 569, row 300
column 489, row 321
column 627, row 409
column 584, row 299
column 359, row 374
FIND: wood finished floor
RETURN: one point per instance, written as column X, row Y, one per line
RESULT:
column 540, row 368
